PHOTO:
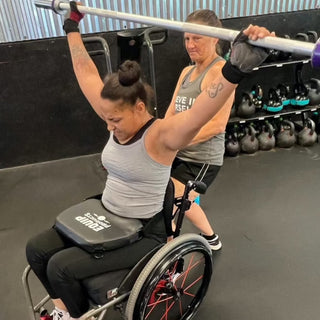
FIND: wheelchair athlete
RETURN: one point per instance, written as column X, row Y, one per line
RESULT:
column 137, row 156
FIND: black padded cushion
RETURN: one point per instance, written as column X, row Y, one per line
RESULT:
column 95, row 229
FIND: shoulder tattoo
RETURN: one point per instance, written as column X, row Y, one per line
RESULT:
column 214, row 89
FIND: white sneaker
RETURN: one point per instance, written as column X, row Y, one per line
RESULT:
column 58, row 314
column 215, row 243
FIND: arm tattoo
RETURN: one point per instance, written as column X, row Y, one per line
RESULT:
column 213, row 90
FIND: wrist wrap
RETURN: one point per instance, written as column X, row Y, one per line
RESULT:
column 232, row 73
column 70, row 26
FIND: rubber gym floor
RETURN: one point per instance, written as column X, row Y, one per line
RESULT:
column 265, row 207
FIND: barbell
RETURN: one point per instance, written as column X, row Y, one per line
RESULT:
column 307, row 49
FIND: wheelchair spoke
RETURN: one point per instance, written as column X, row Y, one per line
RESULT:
column 165, row 316
column 190, row 267
column 172, row 272
column 180, row 308
column 155, row 304
column 191, row 285
column 186, row 273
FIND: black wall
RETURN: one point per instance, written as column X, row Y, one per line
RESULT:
column 43, row 114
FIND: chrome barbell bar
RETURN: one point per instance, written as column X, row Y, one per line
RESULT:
column 294, row 46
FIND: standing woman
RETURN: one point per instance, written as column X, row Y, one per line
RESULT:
column 202, row 158
column 138, row 157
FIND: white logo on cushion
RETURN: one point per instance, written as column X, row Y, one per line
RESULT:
column 93, row 221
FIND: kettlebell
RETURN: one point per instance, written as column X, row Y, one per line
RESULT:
column 286, row 136
column 300, row 90
column 313, row 86
column 307, row 136
column 274, row 103
column 301, row 97
column 312, row 36
column 266, row 138
column 249, row 142
column 246, row 108
column 232, row 146
column 257, row 95
column 283, row 93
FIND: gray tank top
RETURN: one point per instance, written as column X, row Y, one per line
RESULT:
column 136, row 184
column 212, row 150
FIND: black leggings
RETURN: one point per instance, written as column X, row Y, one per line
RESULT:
column 60, row 266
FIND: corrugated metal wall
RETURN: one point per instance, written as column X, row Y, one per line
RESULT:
column 21, row 20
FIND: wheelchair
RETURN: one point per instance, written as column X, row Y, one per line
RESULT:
column 168, row 283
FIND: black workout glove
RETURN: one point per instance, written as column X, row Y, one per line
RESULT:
column 243, row 59
column 72, row 18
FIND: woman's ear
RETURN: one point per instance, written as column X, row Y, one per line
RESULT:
column 215, row 41
column 140, row 106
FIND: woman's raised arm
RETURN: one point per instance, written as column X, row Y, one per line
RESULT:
column 84, row 68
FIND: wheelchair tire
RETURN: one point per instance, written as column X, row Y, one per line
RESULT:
column 174, row 282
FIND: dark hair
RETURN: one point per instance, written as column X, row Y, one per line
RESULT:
column 206, row 17
column 126, row 85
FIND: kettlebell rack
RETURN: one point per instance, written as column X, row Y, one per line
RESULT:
column 295, row 122
column 289, row 110
column 281, row 64
column 260, row 116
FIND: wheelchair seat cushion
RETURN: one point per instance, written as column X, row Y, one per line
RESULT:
column 91, row 226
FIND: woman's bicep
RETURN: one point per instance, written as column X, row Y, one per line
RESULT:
column 91, row 89
column 85, row 71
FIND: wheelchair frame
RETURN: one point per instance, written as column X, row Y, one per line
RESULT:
column 156, row 283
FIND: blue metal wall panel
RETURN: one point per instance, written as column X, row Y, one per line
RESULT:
column 21, row 20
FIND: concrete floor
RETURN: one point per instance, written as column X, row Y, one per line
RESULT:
column 265, row 207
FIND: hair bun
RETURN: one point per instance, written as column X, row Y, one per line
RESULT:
column 129, row 73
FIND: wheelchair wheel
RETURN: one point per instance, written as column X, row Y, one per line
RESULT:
column 174, row 282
